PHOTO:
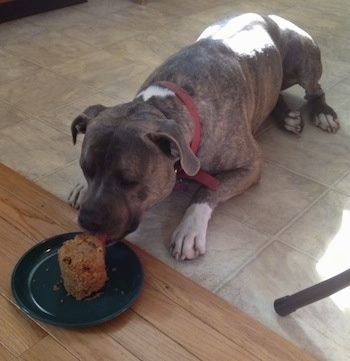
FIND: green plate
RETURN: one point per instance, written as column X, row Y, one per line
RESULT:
column 38, row 289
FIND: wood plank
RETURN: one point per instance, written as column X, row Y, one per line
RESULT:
column 34, row 222
column 18, row 332
column 151, row 345
column 38, row 198
column 44, row 351
column 90, row 344
column 179, row 324
column 14, row 244
column 230, row 321
column 6, row 355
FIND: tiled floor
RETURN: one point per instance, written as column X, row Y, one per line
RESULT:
column 286, row 233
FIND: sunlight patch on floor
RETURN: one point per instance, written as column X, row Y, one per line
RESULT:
column 337, row 260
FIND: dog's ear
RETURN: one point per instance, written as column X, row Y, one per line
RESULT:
column 171, row 141
column 81, row 122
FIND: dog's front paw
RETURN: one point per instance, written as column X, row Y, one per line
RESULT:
column 327, row 122
column 189, row 238
column 77, row 195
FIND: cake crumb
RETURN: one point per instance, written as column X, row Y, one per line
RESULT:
column 56, row 287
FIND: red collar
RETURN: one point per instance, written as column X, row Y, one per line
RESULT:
column 201, row 177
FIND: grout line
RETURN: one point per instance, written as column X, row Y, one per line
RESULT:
column 235, row 273
column 55, row 171
column 275, row 237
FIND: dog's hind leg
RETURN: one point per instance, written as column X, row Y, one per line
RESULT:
column 322, row 115
column 309, row 74
column 288, row 119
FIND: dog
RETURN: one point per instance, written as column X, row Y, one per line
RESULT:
column 196, row 116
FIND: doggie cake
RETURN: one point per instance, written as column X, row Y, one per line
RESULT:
column 82, row 264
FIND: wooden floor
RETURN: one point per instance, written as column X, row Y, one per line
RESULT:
column 173, row 319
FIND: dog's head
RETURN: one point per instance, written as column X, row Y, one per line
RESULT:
column 127, row 157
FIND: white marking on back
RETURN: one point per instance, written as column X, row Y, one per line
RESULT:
column 244, row 34
column 155, row 91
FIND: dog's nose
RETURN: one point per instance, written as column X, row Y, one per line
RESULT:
column 90, row 221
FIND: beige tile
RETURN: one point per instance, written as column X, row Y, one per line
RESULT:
column 99, row 32
column 212, row 15
column 13, row 32
column 154, row 46
column 142, row 18
column 41, row 91
column 183, row 7
column 338, row 96
column 149, row 48
column 10, row 115
column 60, row 19
column 35, row 149
column 104, row 7
column 333, row 72
column 335, row 46
column 13, row 67
column 229, row 243
column 315, row 230
column 61, row 182
column 48, row 48
column 308, row 155
column 62, row 118
column 304, row 17
column 275, row 201
column 99, row 68
column 126, row 88
column 320, row 328
column 335, row 7
column 344, row 184
column 175, row 35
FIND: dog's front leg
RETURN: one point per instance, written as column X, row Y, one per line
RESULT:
column 189, row 239
column 77, row 194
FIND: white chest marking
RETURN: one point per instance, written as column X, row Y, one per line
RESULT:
column 155, row 91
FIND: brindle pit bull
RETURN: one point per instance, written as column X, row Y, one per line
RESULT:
column 234, row 74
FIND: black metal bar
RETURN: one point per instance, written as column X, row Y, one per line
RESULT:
column 288, row 304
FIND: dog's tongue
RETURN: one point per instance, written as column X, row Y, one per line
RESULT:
column 101, row 236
